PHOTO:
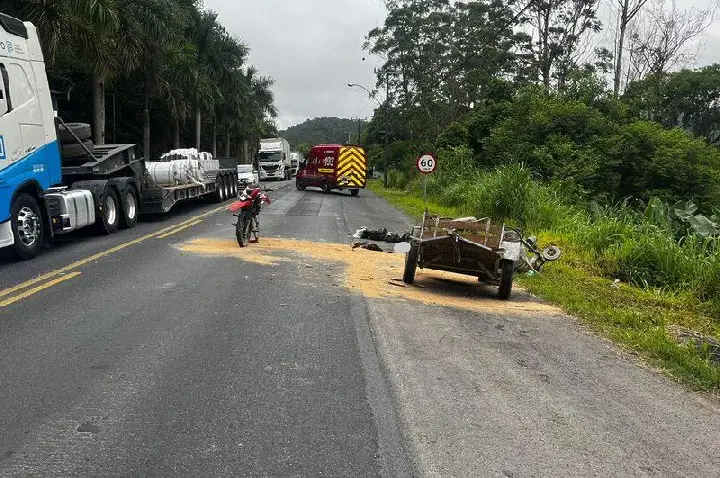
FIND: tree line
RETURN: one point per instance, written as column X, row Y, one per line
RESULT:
column 613, row 110
column 166, row 71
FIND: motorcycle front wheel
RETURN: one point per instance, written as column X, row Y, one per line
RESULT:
column 242, row 230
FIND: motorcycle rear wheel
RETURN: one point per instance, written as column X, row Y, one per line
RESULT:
column 242, row 230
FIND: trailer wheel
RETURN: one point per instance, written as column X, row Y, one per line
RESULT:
column 110, row 217
column 326, row 187
column 218, row 189
column 130, row 209
column 411, row 262
column 26, row 223
column 507, row 270
column 354, row 192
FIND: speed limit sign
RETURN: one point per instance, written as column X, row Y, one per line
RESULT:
column 427, row 163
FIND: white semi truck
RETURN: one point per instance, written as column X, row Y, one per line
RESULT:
column 274, row 158
column 53, row 180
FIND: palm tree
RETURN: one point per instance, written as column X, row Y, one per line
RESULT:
column 64, row 26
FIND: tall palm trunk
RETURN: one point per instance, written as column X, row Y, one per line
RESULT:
column 227, row 141
column 146, row 123
column 214, row 138
column 198, row 124
column 176, row 135
column 98, row 102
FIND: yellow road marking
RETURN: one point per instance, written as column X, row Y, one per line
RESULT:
column 35, row 290
column 175, row 231
column 99, row 255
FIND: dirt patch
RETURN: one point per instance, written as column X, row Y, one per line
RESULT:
column 373, row 274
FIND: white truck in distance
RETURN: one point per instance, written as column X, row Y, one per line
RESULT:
column 274, row 158
column 296, row 160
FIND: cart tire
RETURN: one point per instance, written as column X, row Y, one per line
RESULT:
column 411, row 260
column 506, row 279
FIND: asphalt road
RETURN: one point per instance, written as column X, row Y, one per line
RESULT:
column 134, row 354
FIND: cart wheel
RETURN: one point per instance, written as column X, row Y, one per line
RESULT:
column 411, row 260
column 506, row 279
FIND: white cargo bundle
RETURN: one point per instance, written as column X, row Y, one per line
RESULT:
column 183, row 166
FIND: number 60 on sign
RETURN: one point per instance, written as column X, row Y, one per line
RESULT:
column 427, row 163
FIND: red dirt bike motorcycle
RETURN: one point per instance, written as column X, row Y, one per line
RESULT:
column 247, row 210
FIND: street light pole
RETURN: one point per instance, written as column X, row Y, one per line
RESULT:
column 387, row 123
column 387, row 128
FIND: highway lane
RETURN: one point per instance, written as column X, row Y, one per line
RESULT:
column 167, row 349
column 149, row 360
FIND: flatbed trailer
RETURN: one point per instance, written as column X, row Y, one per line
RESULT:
column 122, row 165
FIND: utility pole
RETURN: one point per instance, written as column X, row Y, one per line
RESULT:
column 387, row 129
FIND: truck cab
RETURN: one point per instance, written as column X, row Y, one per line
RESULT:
column 274, row 158
column 334, row 166
column 30, row 160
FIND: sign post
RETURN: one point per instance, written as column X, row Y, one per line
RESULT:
column 427, row 164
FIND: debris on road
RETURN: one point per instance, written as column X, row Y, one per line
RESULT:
column 370, row 274
column 381, row 235
column 368, row 246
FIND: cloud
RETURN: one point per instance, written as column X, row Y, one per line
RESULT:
column 311, row 48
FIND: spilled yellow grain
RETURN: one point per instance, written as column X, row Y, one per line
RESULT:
column 373, row 274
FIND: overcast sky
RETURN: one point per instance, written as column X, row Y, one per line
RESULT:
column 313, row 48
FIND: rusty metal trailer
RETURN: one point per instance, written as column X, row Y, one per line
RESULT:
column 468, row 246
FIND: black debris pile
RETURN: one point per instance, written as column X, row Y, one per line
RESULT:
column 369, row 247
column 380, row 235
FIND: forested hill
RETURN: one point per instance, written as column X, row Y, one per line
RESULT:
column 323, row 130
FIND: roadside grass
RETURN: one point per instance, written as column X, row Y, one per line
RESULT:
column 639, row 319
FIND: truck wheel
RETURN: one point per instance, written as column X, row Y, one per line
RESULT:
column 326, row 187
column 228, row 188
column 219, row 190
column 354, row 192
column 507, row 270
column 110, row 217
column 411, row 260
column 74, row 150
column 300, row 186
column 81, row 130
column 130, row 209
column 26, row 223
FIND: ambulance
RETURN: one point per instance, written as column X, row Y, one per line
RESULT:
column 334, row 167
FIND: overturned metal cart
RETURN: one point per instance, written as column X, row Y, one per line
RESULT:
column 468, row 246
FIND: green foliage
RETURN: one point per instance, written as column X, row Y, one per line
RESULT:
column 646, row 160
column 687, row 99
column 324, row 131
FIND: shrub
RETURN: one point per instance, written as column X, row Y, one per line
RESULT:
column 646, row 160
